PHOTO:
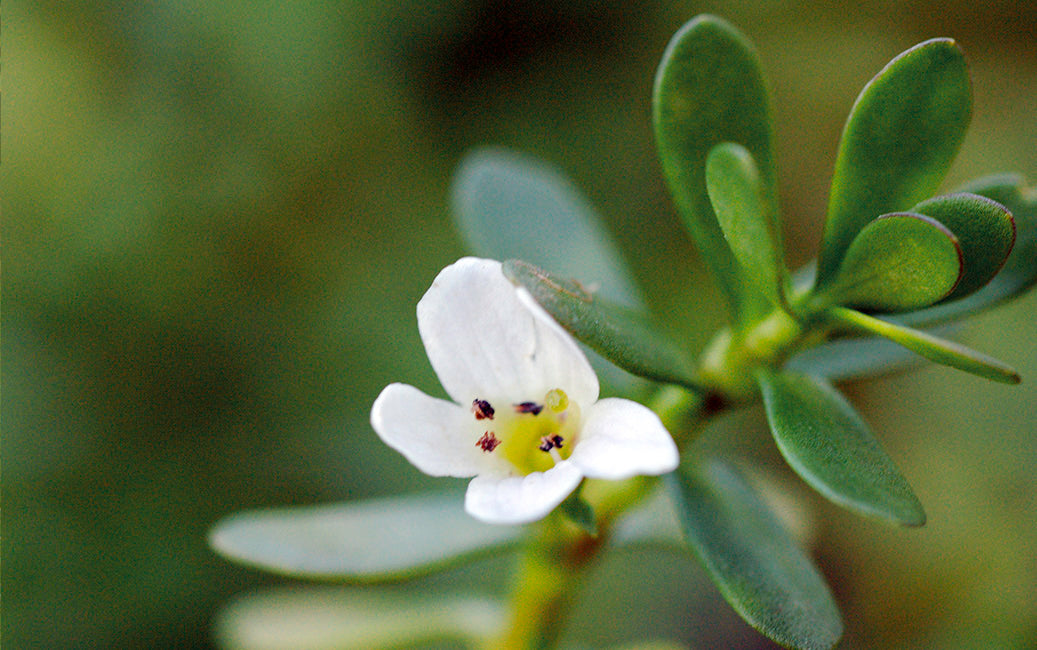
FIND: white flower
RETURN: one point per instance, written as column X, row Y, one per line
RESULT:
column 525, row 420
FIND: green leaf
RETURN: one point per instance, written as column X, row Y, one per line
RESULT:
column 580, row 513
column 1020, row 270
column 897, row 262
column 852, row 358
column 377, row 540
column 653, row 524
column 759, row 569
column 901, row 136
column 985, row 231
column 747, row 218
column 331, row 618
column 931, row 347
column 1006, row 188
column 828, row 444
column 709, row 89
column 623, row 336
column 508, row 205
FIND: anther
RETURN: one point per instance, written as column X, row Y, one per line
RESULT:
column 482, row 409
column 529, row 407
column 488, row 442
column 549, row 443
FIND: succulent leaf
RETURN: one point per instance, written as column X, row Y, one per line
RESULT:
column 747, row 219
column 897, row 262
column 931, row 347
column 828, row 444
column 510, row 205
column 709, row 89
column 624, row 336
column 1019, row 272
column 375, row 541
column 985, row 230
column 902, row 134
column 760, row 570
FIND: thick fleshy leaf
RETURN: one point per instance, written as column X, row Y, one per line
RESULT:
column 709, row 89
column 865, row 357
column 759, row 569
column 747, row 218
column 931, row 347
column 828, row 444
column 329, row 618
column 580, row 514
column 623, row 336
column 1020, row 270
column 985, row 231
column 509, row 205
column 901, row 136
column 897, row 262
column 853, row 358
column 654, row 523
column 370, row 541
column 485, row 342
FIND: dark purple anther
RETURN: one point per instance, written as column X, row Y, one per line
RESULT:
column 529, row 407
column 488, row 442
column 482, row 410
column 547, row 443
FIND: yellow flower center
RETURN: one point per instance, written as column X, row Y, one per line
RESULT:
column 532, row 436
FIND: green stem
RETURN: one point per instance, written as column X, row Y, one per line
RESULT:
column 731, row 359
column 558, row 554
column 548, row 576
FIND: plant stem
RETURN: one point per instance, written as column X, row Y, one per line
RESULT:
column 558, row 554
column 548, row 576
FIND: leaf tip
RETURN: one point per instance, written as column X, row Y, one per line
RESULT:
column 914, row 516
column 1012, row 377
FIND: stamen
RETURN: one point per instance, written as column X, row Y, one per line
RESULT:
column 488, row 442
column 529, row 407
column 550, row 443
column 482, row 409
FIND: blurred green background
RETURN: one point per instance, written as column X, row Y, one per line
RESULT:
column 218, row 218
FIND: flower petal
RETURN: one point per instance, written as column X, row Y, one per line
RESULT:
column 484, row 342
column 436, row 436
column 520, row 499
column 620, row 439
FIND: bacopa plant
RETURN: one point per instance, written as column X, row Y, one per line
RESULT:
column 557, row 474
